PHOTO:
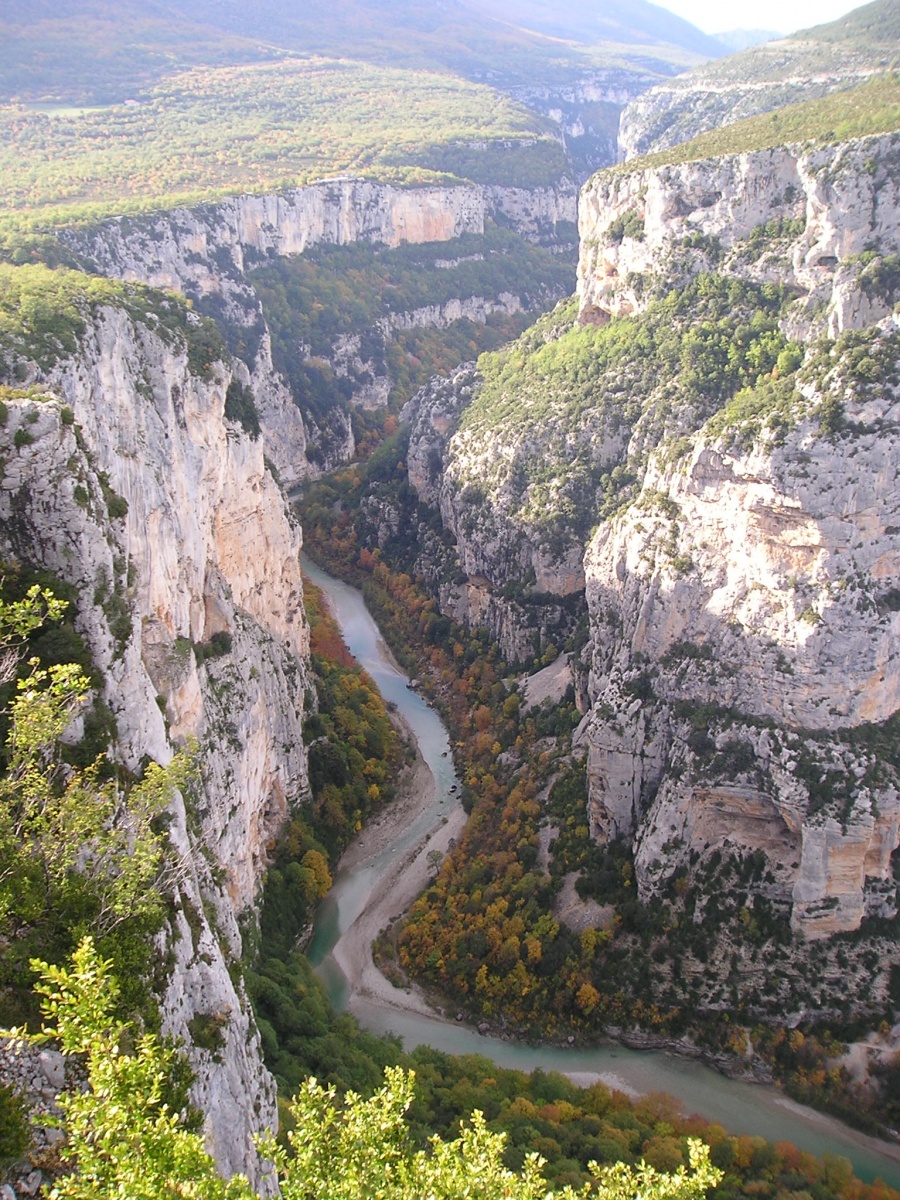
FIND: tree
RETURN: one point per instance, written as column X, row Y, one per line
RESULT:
column 65, row 831
column 124, row 1142
column 79, row 847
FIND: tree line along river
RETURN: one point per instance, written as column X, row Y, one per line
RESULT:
column 742, row 1108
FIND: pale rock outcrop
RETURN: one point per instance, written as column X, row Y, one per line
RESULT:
column 199, row 248
column 743, row 656
column 205, row 252
column 761, row 79
column 839, row 200
column 755, row 587
column 582, row 108
column 206, row 547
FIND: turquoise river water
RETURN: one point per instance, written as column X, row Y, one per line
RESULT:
column 741, row 1107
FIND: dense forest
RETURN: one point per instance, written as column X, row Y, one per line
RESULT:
column 207, row 134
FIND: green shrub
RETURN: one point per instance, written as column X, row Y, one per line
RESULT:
column 241, row 407
column 628, row 225
column 15, row 1127
column 207, row 1031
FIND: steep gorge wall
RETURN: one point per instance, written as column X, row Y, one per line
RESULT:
column 741, row 668
column 206, row 546
column 206, row 252
column 760, row 79
column 833, row 203
column 755, row 577
column 587, row 111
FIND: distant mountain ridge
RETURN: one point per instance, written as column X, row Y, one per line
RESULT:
column 743, row 39
column 806, row 65
column 96, row 51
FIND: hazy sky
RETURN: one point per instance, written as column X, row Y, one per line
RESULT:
column 785, row 16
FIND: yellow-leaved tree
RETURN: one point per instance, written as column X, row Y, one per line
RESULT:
column 78, row 848
column 123, row 1141
column 77, row 834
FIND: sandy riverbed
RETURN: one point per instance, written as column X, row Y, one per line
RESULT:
column 395, row 890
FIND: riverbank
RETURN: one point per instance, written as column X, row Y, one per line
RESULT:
column 394, row 892
column 379, row 877
column 409, row 875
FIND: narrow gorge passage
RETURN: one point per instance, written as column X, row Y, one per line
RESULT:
column 380, row 874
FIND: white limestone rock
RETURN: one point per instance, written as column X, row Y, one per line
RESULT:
column 206, row 547
column 844, row 199
column 207, row 251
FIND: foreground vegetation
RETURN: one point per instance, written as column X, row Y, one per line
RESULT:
column 124, row 1141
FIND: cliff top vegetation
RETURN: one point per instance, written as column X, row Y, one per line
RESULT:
column 874, row 27
column 209, row 133
column 871, row 108
column 865, row 39
column 43, row 312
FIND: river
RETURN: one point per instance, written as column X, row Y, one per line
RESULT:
column 741, row 1107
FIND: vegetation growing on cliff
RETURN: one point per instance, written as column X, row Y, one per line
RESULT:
column 599, row 398
column 79, row 842
column 338, row 290
column 44, row 313
column 331, row 293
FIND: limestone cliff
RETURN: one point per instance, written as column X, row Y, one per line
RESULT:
column 813, row 220
column 721, row 406
column 743, row 651
column 205, row 547
column 587, row 111
column 806, row 65
column 206, row 253
column 504, row 571
column 776, row 543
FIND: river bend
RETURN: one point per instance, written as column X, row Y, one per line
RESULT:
column 367, row 889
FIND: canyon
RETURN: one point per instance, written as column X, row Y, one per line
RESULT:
column 708, row 537
column 206, row 254
column 202, row 545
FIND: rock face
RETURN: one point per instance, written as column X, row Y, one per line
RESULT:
column 479, row 581
column 801, row 218
column 519, row 494
column 206, row 252
column 205, row 547
column 743, row 624
column 760, row 79
column 747, row 615
column 740, row 676
column 587, row 111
